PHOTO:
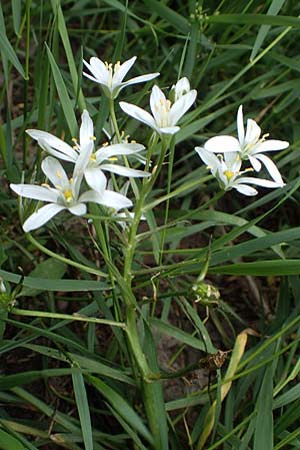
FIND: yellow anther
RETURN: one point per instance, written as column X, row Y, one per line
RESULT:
column 93, row 157
column 74, row 140
column 105, row 144
column 68, row 195
column 58, row 174
column 113, row 158
column 92, row 138
column 46, row 185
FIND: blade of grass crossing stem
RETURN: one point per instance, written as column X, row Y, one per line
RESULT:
column 274, row 8
column 63, row 32
column 263, row 435
column 236, row 356
column 8, row 442
column 83, row 409
column 6, row 47
column 66, row 103
column 122, row 407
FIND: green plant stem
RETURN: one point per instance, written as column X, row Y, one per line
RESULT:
column 70, row 262
column 76, row 317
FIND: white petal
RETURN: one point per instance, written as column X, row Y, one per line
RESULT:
column 98, row 69
column 233, row 161
column 140, row 79
column 107, row 198
column 157, row 102
column 57, row 154
column 252, row 133
column 54, row 171
column 115, row 200
column 139, row 114
column 78, row 210
column 255, row 163
column 35, row 192
column 271, row 168
column 210, row 159
column 86, row 130
column 121, row 72
column 261, row 182
column 41, row 216
column 95, row 178
column 124, row 171
column 169, row 130
column 240, row 125
column 117, row 149
column 181, row 88
column 54, row 142
column 245, row 190
column 180, row 107
column 221, row 144
column 272, row 145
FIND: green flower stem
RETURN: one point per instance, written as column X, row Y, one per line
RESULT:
column 76, row 317
column 114, row 119
column 70, row 262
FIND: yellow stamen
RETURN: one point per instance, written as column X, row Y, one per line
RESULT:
column 228, row 174
column 113, row 158
column 68, row 195
column 93, row 157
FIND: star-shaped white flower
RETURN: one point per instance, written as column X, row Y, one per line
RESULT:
column 227, row 171
column 249, row 145
column 91, row 162
column 110, row 76
column 165, row 114
column 64, row 195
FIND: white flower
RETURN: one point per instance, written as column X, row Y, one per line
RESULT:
column 82, row 153
column 181, row 88
column 250, row 146
column 227, row 171
column 64, row 195
column 110, row 76
column 165, row 114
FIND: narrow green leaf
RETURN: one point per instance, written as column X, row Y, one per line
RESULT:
column 83, row 409
column 65, row 101
column 69, row 54
column 263, row 435
column 121, row 406
column 274, row 8
column 255, row 19
column 8, row 442
column 261, row 268
column 178, row 334
column 169, row 15
column 16, row 13
column 51, row 269
column 44, row 284
column 7, row 49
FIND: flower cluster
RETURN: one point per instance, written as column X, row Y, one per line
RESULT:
column 249, row 146
column 223, row 155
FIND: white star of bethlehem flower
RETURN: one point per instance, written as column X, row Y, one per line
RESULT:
column 92, row 163
column 64, row 195
column 110, row 76
column 227, row 171
column 165, row 114
column 250, row 146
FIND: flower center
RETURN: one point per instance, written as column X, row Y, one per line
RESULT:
column 68, row 194
column 228, row 174
column 163, row 108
